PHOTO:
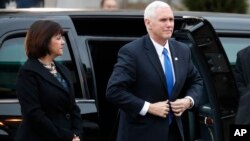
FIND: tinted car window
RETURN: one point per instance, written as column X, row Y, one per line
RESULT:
column 232, row 45
column 12, row 56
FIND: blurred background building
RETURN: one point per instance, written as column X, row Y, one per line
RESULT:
column 180, row 5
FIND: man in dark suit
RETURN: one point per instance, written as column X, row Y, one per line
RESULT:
column 150, row 108
column 242, row 77
column 242, row 70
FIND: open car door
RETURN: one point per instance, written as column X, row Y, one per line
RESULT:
column 218, row 106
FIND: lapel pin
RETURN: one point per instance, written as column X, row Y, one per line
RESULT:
column 175, row 58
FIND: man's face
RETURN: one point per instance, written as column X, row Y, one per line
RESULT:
column 161, row 25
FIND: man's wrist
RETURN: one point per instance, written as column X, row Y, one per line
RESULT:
column 145, row 108
column 190, row 102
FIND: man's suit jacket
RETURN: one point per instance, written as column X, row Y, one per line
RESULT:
column 138, row 77
column 242, row 77
column 49, row 111
column 243, row 110
column 242, row 70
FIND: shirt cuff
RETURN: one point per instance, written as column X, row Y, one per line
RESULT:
column 145, row 108
column 192, row 100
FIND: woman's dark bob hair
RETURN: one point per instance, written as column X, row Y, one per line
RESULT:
column 38, row 37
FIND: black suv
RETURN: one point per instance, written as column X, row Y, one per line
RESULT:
column 233, row 30
column 93, row 39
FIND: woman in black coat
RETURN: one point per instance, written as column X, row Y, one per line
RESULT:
column 45, row 90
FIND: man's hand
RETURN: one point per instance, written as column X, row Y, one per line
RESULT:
column 180, row 105
column 160, row 109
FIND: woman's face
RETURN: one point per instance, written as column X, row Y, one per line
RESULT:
column 56, row 45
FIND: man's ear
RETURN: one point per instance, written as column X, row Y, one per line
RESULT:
column 147, row 24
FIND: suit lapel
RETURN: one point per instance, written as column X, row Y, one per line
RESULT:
column 177, row 67
column 154, row 59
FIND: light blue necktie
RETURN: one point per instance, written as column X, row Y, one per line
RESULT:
column 169, row 78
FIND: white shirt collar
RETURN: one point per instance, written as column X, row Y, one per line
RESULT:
column 159, row 48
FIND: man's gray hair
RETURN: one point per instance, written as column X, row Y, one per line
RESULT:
column 151, row 8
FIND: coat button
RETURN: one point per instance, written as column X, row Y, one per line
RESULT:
column 67, row 116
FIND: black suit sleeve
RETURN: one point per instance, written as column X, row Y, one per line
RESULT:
column 239, row 74
column 243, row 108
column 194, row 82
column 119, row 89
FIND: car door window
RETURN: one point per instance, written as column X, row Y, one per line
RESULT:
column 232, row 45
column 12, row 56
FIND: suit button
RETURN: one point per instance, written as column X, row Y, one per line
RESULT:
column 67, row 116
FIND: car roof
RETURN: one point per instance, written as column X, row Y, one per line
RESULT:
column 222, row 21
